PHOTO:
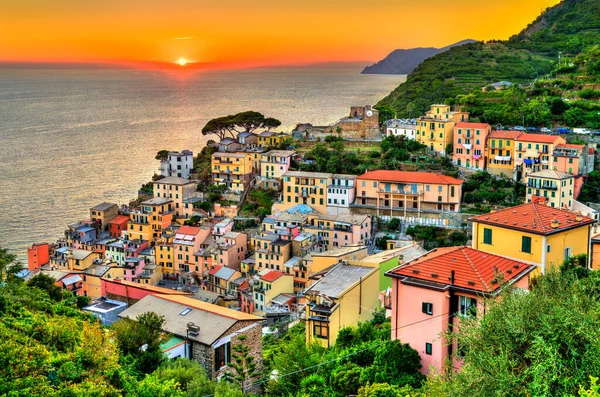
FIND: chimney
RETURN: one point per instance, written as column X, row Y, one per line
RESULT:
column 578, row 217
column 554, row 223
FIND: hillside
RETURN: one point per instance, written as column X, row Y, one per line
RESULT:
column 571, row 27
column 404, row 61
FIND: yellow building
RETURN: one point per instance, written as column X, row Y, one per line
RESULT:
column 346, row 295
column 164, row 256
column 534, row 152
column 176, row 189
column 500, row 153
column 436, row 128
column 269, row 286
column 92, row 276
column 271, row 252
column 235, row 170
column 553, row 188
column 270, row 138
column 80, row 259
column 148, row 221
column 533, row 233
column 309, row 188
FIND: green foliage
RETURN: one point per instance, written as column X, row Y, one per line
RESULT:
column 259, row 202
column 393, row 224
column 482, row 190
column 243, row 364
column 385, row 390
column 431, row 237
column 395, row 363
column 202, row 167
column 46, row 283
column 9, row 266
column 233, row 124
column 577, row 265
column 162, row 155
column 593, row 391
column 590, row 191
column 141, row 340
column 458, row 75
column 545, row 342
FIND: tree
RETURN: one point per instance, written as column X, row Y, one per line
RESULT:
column 162, row 155
column 575, row 117
column 188, row 374
column 397, row 364
column 314, row 385
column 385, row 390
column 345, row 379
column 46, row 283
column 247, row 121
column 141, row 339
column 243, row 364
column 9, row 266
column 394, row 224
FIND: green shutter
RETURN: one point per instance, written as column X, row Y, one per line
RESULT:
column 487, row 236
column 526, row 244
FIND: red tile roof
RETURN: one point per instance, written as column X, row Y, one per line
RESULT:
column 538, row 138
column 504, row 134
column 473, row 269
column 271, row 276
column 214, row 270
column 465, row 124
column 119, row 219
column 192, row 230
column 410, row 177
column 533, row 218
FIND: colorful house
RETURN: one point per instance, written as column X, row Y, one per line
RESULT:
column 500, row 153
column 533, row 233
column 220, row 280
column 431, row 294
column 402, row 192
column 308, row 188
column 553, row 188
column 271, row 138
column 234, row 170
column 344, row 296
column 130, row 292
column 178, row 164
column 340, row 194
column 187, row 242
column 469, row 144
column 231, row 250
column 38, row 255
column 339, row 230
column 117, row 226
column 533, row 153
column 269, row 285
column 176, row 189
column 436, row 128
column 275, row 163
column 148, row 221
column 103, row 213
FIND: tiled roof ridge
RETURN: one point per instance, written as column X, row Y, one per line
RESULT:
column 196, row 306
column 475, row 270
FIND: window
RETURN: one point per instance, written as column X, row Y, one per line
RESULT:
column 487, row 236
column 526, row 244
column 467, row 306
column 427, row 308
column 567, row 253
column 428, row 348
column 548, row 248
column 222, row 355
column 320, row 330
column 426, row 188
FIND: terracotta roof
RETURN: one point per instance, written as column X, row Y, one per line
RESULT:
column 538, row 138
column 119, row 219
column 193, row 230
column 533, row 218
column 466, row 124
column 214, row 270
column 208, row 307
column 271, row 276
column 410, row 177
column 504, row 134
column 473, row 269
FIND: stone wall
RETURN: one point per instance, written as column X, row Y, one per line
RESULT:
column 205, row 355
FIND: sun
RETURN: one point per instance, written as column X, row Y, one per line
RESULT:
column 182, row 62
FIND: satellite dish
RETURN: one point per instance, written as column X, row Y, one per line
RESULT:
column 369, row 113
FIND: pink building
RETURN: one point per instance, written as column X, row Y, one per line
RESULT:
column 187, row 242
column 431, row 293
column 129, row 292
column 231, row 250
column 133, row 267
column 469, row 144
column 339, row 230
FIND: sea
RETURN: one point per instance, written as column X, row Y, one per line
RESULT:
column 73, row 138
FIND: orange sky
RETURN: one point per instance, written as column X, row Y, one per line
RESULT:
column 247, row 32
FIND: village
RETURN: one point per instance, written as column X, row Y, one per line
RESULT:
column 185, row 250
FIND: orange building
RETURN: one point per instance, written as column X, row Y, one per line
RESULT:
column 187, row 242
column 37, row 256
column 469, row 144
column 533, row 153
column 402, row 191
column 117, row 225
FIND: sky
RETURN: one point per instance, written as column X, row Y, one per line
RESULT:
column 241, row 33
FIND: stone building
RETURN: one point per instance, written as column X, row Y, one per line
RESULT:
column 209, row 331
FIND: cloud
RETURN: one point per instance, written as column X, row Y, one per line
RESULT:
column 184, row 38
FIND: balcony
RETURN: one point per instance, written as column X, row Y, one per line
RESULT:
column 502, row 158
column 431, row 138
column 477, row 157
column 467, row 146
column 402, row 192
